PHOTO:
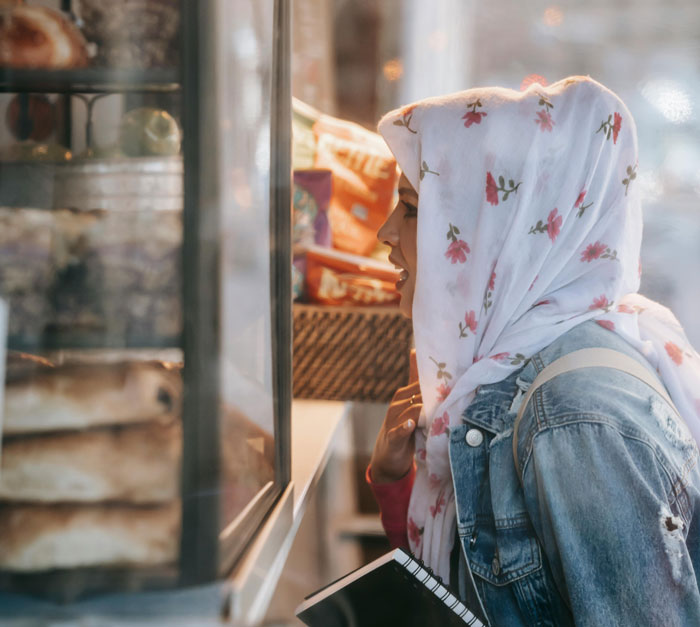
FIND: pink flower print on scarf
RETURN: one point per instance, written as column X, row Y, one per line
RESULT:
column 674, row 352
column 421, row 454
column 606, row 324
column 499, row 356
column 611, row 127
column 414, row 532
column 579, row 204
column 544, row 118
column 600, row 303
column 625, row 309
column 492, row 189
column 553, row 224
column 514, row 360
column 552, row 227
column 617, row 125
column 469, row 323
column 474, row 116
column 439, row 425
column 458, row 250
column 443, row 391
column 437, row 508
column 598, row 251
column 406, row 116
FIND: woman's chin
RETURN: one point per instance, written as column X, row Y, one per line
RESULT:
column 406, row 306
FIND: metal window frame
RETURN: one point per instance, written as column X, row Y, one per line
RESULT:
column 203, row 557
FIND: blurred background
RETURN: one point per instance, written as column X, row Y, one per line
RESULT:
column 358, row 59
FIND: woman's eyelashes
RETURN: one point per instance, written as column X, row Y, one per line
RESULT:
column 411, row 209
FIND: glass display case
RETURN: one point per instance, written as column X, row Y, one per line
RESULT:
column 145, row 255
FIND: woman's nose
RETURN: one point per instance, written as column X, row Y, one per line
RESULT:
column 388, row 233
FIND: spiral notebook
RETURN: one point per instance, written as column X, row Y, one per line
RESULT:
column 395, row 589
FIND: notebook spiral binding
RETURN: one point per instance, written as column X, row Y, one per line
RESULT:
column 420, row 564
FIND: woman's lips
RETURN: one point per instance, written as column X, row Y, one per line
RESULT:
column 403, row 273
column 403, row 277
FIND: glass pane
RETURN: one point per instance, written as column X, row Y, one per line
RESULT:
column 246, row 419
column 91, row 200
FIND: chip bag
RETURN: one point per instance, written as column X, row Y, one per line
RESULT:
column 364, row 177
column 337, row 278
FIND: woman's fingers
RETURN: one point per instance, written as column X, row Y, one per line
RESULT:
column 402, row 431
column 407, row 392
column 402, row 428
column 412, row 367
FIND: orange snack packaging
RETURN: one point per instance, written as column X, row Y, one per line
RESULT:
column 337, row 278
column 364, row 178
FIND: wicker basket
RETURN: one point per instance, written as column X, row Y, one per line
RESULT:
column 350, row 353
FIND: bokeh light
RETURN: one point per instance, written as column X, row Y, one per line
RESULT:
column 393, row 70
column 669, row 98
column 531, row 79
column 553, row 16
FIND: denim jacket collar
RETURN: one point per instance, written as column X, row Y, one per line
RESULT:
column 490, row 409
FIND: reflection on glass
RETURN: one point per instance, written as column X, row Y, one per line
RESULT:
column 246, row 418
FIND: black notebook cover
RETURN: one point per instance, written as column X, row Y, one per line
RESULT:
column 396, row 589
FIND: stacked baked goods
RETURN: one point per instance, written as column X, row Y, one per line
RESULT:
column 90, row 464
column 111, row 277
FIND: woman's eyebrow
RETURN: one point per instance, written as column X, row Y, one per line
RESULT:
column 408, row 190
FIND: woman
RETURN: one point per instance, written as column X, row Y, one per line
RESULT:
column 518, row 231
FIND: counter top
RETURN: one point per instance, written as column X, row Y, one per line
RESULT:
column 315, row 425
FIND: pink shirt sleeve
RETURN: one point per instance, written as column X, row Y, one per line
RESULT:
column 393, row 501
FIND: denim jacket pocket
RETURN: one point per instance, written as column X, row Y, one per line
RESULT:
column 502, row 555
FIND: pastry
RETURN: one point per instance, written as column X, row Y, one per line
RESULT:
column 133, row 33
column 136, row 464
column 76, row 275
column 79, row 396
column 40, row 37
column 42, row 537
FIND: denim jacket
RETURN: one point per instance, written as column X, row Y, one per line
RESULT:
column 605, row 528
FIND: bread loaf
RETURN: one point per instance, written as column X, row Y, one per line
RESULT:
column 39, row 537
column 40, row 37
column 136, row 464
column 78, row 396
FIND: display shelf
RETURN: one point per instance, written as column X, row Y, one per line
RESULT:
column 88, row 341
column 89, row 81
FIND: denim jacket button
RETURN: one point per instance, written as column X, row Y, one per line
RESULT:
column 495, row 566
column 474, row 437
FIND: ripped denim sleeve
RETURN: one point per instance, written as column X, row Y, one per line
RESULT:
column 619, row 551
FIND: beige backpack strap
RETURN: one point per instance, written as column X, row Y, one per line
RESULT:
column 587, row 358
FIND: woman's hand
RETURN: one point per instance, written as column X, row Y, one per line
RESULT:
column 393, row 451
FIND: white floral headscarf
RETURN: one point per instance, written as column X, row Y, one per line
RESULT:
column 529, row 223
